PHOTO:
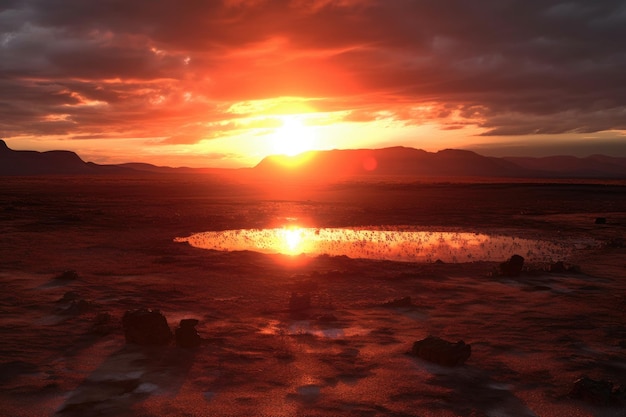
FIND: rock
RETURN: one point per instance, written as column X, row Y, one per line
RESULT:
column 442, row 352
column 146, row 327
column 399, row 302
column 68, row 275
column 186, row 335
column 600, row 220
column 512, row 267
column 592, row 391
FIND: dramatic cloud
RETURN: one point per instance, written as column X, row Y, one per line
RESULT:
column 174, row 69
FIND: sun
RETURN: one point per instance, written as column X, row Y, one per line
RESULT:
column 293, row 137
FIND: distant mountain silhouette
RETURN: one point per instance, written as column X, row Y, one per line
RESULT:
column 401, row 161
column 14, row 162
column 396, row 161
column 326, row 165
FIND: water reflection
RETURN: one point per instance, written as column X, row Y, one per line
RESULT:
column 395, row 245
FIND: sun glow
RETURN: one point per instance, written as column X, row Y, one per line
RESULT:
column 292, row 240
column 293, row 137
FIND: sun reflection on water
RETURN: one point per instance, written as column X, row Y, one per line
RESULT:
column 292, row 240
column 396, row 245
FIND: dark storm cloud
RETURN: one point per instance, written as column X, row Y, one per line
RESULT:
column 510, row 66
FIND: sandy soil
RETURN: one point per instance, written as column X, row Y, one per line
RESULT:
column 532, row 336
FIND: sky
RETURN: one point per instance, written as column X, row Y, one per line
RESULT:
column 223, row 83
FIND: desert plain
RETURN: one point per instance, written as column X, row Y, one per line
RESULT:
column 63, row 350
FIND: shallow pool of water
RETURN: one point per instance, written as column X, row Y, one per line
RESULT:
column 395, row 245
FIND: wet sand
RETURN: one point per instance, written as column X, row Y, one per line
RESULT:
column 532, row 336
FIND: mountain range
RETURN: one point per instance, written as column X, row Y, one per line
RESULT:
column 394, row 161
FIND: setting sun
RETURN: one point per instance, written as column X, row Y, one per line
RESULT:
column 293, row 137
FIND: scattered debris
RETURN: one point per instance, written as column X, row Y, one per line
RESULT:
column 512, row 267
column 186, row 334
column 146, row 327
column 442, row 352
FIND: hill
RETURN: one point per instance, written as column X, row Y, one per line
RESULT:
column 401, row 161
column 333, row 164
column 14, row 162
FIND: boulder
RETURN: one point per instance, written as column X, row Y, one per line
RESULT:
column 442, row 352
column 146, row 327
column 512, row 267
column 186, row 334
column 592, row 391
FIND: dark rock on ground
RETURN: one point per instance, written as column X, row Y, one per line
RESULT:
column 600, row 220
column 186, row 334
column 512, row 267
column 592, row 391
column 68, row 275
column 146, row 327
column 442, row 352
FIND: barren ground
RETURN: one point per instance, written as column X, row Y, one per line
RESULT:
column 532, row 336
